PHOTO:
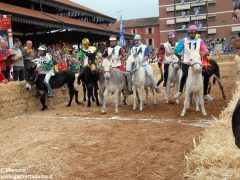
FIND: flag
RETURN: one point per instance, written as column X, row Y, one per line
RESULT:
column 122, row 36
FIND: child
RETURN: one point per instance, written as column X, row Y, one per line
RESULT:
column 61, row 65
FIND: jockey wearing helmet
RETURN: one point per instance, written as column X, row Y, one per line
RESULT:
column 190, row 45
column 45, row 66
column 168, row 46
column 116, row 52
column 86, row 55
column 205, row 74
column 142, row 57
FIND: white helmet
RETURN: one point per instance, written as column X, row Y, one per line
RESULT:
column 112, row 38
column 42, row 48
column 137, row 37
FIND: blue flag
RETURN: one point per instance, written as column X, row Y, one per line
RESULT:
column 122, row 36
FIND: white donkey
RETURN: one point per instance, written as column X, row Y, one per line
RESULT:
column 115, row 82
column 173, row 77
column 194, row 85
column 140, row 81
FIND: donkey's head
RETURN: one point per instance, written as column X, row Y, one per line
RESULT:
column 32, row 74
column 106, row 67
column 196, row 62
column 175, row 63
column 131, row 62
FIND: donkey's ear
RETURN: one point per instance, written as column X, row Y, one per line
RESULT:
column 34, row 66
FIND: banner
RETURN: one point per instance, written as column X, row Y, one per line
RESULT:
column 122, row 36
column 6, row 29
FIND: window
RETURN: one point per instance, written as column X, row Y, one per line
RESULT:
column 149, row 30
column 134, row 31
column 150, row 42
column 211, row 5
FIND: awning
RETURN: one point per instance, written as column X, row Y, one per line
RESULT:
column 52, row 21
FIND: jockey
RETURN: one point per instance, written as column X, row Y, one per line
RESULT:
column 87, row 53
column 45, row 66
column 117, row 53
column 142, row 58
column 205, row 75
column 168, row 46
column 189, row 45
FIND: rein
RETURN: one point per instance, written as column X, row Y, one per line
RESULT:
column 35, row 79
column 192, row 65
column 135, row 68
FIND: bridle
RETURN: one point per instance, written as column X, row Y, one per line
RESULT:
column 135, row 67
column 193, row 64
column 173, row 63
column 35, row 79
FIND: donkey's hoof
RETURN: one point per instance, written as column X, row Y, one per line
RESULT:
column 78, row 103
column 205, row 114
column 44, row 108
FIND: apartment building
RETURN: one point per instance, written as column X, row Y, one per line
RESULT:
column 213, row 17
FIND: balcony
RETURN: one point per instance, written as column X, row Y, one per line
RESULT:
column 170, row 9
column 235, row 28
column 183, row 27
column 212, row 31
column 198, row 4
column 170, row 22
column 199, row 17
column 181, row 7
column 183, row 19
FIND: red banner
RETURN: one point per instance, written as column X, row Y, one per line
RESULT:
column 5, row 22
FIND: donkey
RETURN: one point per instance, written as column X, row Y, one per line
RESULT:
column 194, row 86
column 115, row 82
column 89, row 75
column 214, row 70
column 173, row 77
column 140, row 81
column 57, row 81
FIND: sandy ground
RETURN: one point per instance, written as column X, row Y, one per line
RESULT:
column 82, row 143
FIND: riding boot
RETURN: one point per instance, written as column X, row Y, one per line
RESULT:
column 50, row 94
column 129, row 84
column 160, row 80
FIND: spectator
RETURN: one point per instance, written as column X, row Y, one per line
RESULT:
column 73, row 65
column 28, row 56
column 2, row 78
column 61, row 65
column 18, row 65
column 5, row 59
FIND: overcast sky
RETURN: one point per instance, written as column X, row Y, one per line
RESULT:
column 129, row 9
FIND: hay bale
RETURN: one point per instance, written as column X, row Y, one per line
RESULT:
column 237, row 64
column 216, row 155
column 16, row 100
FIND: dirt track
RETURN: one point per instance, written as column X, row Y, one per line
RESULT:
column 81, row 143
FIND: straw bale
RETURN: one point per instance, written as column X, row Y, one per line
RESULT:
column 216, row 156
column 16, row 100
